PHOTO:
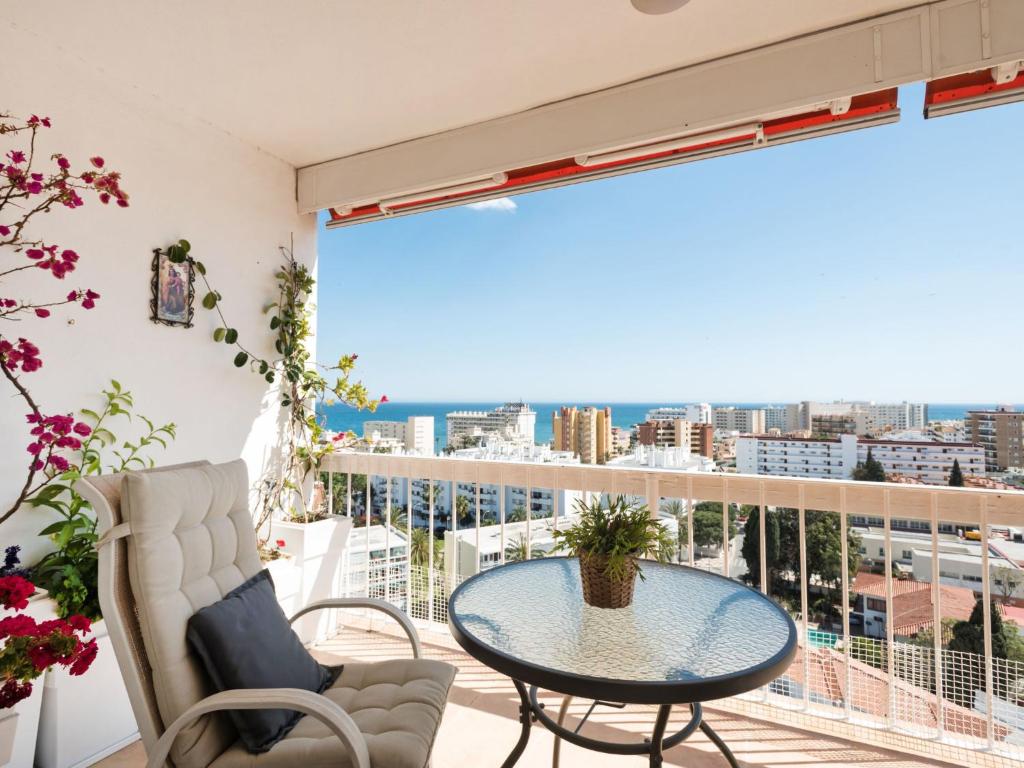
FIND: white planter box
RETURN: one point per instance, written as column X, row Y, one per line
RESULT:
column 8, row 729
column 316, row 550
column 23, row 746
column 85, row 718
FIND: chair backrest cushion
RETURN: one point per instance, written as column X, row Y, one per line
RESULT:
column 192, row 542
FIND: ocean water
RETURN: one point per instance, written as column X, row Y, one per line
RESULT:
column 625, row 415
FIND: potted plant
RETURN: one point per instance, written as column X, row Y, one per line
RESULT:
column 609, row 541
column 32, row 648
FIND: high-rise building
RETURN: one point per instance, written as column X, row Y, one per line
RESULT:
column 698, row 413
column 871, row 418
column 832, row 425
column 416, row 434
column 677, row 433
column 732, row 419
column 511, row 421
column 1000, row 433
column 586, row 432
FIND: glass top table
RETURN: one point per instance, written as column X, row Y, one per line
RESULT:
column 689, row 636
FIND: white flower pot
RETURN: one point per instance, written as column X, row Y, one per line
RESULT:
column 8, row 729
column 85, row 718
column 316, row 550
column 23, row 728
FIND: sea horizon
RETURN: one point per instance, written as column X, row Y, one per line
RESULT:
column 625, row 414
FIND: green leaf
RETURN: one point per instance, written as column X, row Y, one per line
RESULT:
column 240, row 359
column 199, row 267
column 210, row 300
column 270, row 377
column 175, row 255
column 275, row 322
column 231, row 336
column 185, row 245
column 264, row 367
column 116, row 385
column 218, row 335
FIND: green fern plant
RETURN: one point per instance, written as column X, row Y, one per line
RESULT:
column 620, row 531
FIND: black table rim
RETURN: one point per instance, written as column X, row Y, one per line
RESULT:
column 627, row 691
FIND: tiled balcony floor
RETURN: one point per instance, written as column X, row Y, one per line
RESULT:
column 480, row 726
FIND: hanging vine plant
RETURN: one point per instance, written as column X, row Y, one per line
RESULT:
column 305, row 384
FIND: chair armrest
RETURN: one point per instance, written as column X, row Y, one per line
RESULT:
column 307, row 702
column 368, row 602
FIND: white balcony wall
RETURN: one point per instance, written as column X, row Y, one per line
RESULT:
column 232, row 201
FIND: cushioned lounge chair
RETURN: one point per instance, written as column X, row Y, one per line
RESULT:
column 177, row 539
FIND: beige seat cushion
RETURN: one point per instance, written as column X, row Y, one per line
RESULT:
column 396, row 704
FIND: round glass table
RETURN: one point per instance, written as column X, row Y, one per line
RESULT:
column 689, row 636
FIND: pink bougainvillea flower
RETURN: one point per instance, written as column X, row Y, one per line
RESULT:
column 91, row 294
column 96, row 161
column 59, row 463
column 280, row 543
column 82, row 429
column 73, row 295
column 69, row 256
column 88, row 304
column 41, row 312
column 4, row 230
column 16, row 156
column 62, row 163
column 34, row 253
column 104, row 198
column 384, row 398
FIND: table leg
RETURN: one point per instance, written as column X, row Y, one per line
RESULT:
column 717, row 741
column 526, row 718
column 562, row 712
column 659, row 734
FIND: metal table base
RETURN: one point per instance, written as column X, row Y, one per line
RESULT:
column 531, row 710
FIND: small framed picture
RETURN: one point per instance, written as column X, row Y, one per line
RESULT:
column 173, row 290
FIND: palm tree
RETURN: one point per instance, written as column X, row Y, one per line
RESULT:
column 675, row 508
column 515, row 550
column 461, row 508
column 419, row 550
column 399, row 517
column 517, row 515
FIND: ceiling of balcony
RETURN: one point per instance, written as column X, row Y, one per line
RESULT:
column 313, row 80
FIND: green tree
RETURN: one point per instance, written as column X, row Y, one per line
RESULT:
column 419, row 551
column 707, row 524
column 870, row 470
column 515, row 550
column 956, row 476
column 517, row 515
column 965, row 672
column 751, row 549
column 674, row 508
column 461, row 508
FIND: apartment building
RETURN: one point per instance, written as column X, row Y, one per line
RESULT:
column 868, row 418
column 781, row 417
column 664, row 433
column 1000, row 433
column 924, row 461
column 511, row 421
column 697, row 413
column 415, row 435
column 585, row 432
column 833, row 425
column 745, row 420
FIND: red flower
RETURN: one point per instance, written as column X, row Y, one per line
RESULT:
column 84, row 659
column 96, row 161
column 4, row 230
column 384, row 398
column 62, row 163
column 82, row 429
column 280, row 543
column 41, row 312
column 79, row 623
column 91, row 294
column 15, row 592
column 14, row 691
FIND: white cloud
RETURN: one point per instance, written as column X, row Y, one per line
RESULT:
column 501, row 204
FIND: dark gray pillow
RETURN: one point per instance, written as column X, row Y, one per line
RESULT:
column 244, row 641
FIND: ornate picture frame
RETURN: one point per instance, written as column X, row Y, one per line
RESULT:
column 173, row 291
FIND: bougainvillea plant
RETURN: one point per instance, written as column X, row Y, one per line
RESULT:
column 306, row 384
column 31, row 185
column 31, row 647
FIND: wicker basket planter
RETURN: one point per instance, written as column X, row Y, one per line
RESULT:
column 602, row 590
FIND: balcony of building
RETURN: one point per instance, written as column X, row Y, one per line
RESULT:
column 246, row 128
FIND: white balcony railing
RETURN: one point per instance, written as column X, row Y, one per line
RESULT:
column 896, row 684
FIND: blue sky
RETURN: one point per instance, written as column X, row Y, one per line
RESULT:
column 883, row 264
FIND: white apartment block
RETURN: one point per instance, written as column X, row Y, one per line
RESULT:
column 415, row 434
column 511, row 421
column 870, row 417
column 744, row 420
column 779, row 417
column 925, row 461
column 698, row 413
